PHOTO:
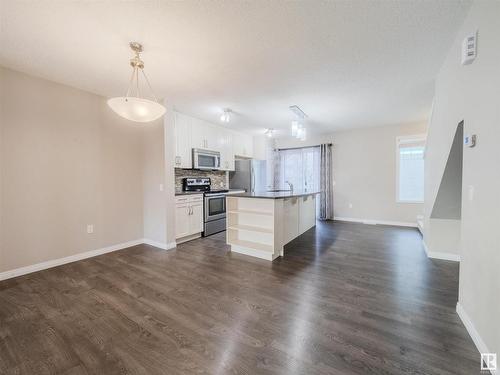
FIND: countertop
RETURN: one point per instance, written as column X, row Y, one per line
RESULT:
column 275, row 194
column 230, row 192
column 187, row 192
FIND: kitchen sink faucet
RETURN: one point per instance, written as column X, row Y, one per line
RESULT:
column 290, row 185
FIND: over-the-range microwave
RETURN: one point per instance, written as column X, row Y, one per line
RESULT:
column 206, row 159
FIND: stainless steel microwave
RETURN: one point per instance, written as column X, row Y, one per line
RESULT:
column 206, row 159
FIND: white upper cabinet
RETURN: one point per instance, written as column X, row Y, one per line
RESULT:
column 242, row 145
column 183, row 154
column 225, row 146
column 192, row 133
column 203, row 135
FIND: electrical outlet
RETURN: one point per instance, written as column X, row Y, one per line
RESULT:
column 161, row 187
column 350, row 205
column 90, row 228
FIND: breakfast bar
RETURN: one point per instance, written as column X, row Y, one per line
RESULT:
column 260, row 224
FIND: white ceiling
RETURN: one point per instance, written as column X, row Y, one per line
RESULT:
column 345, row 63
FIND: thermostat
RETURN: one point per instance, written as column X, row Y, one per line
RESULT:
column 469, row 49
column 470, row 140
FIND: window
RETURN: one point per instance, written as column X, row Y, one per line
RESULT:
column 300, row 167
column 410, row 169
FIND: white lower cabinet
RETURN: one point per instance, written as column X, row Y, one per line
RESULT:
column 188, row 216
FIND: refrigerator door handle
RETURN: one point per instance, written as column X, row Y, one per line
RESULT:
column 252, row 177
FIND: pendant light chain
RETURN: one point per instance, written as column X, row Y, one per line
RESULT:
column 149, row 85
column 131, row 83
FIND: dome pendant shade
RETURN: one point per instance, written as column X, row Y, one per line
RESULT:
column 137, row 109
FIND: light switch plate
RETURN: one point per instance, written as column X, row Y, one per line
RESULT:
column 471, row 192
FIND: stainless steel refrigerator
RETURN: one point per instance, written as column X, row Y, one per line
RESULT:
column 249, row 175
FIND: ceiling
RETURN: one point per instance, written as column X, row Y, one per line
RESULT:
column 345, row 63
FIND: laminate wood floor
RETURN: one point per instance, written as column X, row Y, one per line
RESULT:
column 345, row 299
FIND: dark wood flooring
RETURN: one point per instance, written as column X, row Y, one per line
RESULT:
column 345, row 299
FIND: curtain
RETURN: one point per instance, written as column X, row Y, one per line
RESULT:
column 325, row 183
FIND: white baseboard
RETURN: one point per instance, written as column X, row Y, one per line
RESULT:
column 439, row 255
column 161, row 245
column 474, row 334
column 375, row 222
column 73, row 258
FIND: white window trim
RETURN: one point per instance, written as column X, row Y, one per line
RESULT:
column 402, row 140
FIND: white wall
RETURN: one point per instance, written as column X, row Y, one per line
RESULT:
column 155, row 200
column 66, row 161
column 471, row 93
column 364, row 170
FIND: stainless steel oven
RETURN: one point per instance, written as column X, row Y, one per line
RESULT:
column 215, row 213
column 206, row 159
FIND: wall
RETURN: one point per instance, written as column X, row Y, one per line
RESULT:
column 154, row 182
column 471, row 93
column 169, row 142
column 66, row 161
column 364, row 170
column 219, row 179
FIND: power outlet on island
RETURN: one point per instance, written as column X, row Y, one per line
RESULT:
column 90, row 228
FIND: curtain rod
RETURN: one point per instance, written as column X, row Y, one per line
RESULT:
column 298, row 148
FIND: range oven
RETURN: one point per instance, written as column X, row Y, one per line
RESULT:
column 214, row 204
column 215, row 213
column 206, row 159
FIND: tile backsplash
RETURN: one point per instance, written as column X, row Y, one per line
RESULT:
column 219, row 179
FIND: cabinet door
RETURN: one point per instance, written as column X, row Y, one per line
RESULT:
column 196, row 218
column 248, row 145
column 229, row 152
column 226, row 150
column 307, row 213
column 183, row 158
column 211, row 136
column 291, row 219
column 182, row 220
column 198, row 134
column 243, row 144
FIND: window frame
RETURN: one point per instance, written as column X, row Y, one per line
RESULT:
column 402, row 140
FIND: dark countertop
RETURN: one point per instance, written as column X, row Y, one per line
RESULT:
column 187, row 192
column 230, row 192
column 275, row 194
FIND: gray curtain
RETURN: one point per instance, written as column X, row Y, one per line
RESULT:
column 326, row 183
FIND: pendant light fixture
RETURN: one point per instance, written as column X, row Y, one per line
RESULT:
column 298, row 128
column 133, row 106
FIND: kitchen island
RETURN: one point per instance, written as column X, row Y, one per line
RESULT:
column 260, row 224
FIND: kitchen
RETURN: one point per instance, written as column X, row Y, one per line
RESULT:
column 213, row 163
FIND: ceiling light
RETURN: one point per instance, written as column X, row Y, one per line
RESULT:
column 295, row 128
column 298, row 129
column 303, row 134
column 225, row 117
column 135, row 107
column 269, row 132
